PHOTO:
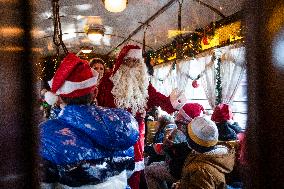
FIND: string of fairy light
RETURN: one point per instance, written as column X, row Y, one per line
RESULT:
column 195, row 43
column 47, row 67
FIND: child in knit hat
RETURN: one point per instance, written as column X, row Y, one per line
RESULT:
column 208, row 163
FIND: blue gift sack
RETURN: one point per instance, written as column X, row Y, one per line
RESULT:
column 89, row 128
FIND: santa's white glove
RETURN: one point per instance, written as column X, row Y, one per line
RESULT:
column 177, row 98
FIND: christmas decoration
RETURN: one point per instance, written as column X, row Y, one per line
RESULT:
column 195, row 84
column 217, row 34
column 205, row 40
column 46, row 68
column 218, row 83
column 50, row 98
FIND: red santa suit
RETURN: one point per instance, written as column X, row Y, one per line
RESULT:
column 109, row 97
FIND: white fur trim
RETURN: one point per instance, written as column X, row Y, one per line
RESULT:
column 70, row 86
column 219, row 150
column 184, row 115
column 139, row 165
column 47, row 185
column 134, row 53
column 50, row 98
column 95, row 72
column 129, row 173
column 231, row 121
column 115, row 182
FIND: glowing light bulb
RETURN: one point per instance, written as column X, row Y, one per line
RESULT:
column 115, row 5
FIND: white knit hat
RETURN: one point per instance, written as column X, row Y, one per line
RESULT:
column 203, row 134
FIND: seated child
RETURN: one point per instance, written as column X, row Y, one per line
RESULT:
column 165, row 122
column 175, row 148
column 208, row 163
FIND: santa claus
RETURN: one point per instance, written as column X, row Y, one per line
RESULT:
column 128, row 87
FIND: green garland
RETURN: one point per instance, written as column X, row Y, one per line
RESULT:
column 187, row 46
column 45, row 104
column 218, row 90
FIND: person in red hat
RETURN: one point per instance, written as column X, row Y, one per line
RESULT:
column 230, row 130
column 128, row 87
column 223, row 117
column 86, row 146
column 188, row 112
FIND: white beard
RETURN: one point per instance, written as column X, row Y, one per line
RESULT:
column 131, row 88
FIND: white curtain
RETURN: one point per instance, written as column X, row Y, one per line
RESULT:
column 232, row 70
column 208, row 79
column 183, row 68
column 164, row 78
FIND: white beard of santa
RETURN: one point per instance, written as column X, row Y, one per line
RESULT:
column 130, row 89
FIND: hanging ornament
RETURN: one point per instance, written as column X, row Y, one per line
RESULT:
column 205, row 39
column 195, row 84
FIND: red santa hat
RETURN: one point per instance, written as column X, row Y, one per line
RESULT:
column 191, row 110
column 128, row 51
column 73, row 78
column 222, row 113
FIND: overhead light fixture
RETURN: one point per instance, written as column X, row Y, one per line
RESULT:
column 115, row 5
column 95, row 33
column 86, row 49
column 94, row 28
